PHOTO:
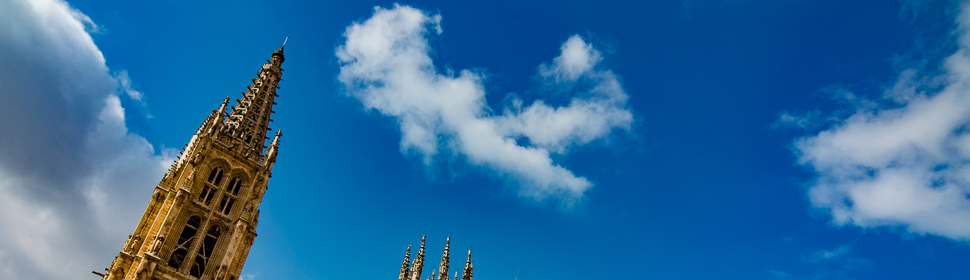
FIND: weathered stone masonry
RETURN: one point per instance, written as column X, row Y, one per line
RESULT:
column 201, row 220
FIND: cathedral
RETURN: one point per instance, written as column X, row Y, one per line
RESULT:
column 201, row 219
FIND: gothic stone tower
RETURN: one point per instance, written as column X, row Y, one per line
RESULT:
column 201, row 220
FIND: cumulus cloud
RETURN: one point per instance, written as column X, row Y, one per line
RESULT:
column 906, row 164
column 73, row 180
column 385, row 63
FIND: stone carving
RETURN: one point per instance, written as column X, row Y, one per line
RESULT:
column 157, row 244
column 257, row 192
column 133, row 243
column 221, row 272
column 188, row 179
column 249, row 209
column 221, row 136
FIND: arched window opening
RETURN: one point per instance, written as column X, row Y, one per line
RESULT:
column 215, row 177
column 234, row 186
column 225, row 206
column 209, row 190
column 184, row 242
column 205, row 251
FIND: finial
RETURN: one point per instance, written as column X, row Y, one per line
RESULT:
column 279, row 52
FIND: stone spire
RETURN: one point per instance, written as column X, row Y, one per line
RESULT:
column 250, row 117
column 443, row 266
column 172, row 241
column 404, row 266
column 273, row 150
column 418, row 262
column 467, row 273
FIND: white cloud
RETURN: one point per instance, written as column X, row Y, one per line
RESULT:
column 577, row 58
column 125, row 82
column 73, row 180
column 906, row 165
column 807, row 120
column 385, row 63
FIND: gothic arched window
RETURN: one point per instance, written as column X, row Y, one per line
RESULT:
column 205, row 251
column 211, row 186
column 184, row 242
column 225, row 206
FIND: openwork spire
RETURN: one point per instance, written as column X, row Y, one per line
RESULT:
column 443, row 266
column 250, row 117
column 178, row 236
column 404, row 266
column 467, row 273
column 418, row 262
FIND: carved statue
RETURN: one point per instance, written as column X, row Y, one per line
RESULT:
column 157, row 244
column 249, row 208
column 133, row 242
column 188, row 179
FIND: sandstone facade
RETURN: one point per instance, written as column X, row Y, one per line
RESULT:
column 201, row 220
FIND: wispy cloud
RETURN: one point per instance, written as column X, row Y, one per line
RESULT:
column 835, row 263
column 902, row 161
column 830, row 254
column 124, row 82
column 73, row 180
column 385, row 63
column 807, row 120
column 780, row 274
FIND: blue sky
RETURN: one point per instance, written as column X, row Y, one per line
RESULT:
column 721, row 139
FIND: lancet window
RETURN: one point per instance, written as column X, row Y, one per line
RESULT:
column 184, row 242
column 225, row 206
column 205, row 251
column 211, row 186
